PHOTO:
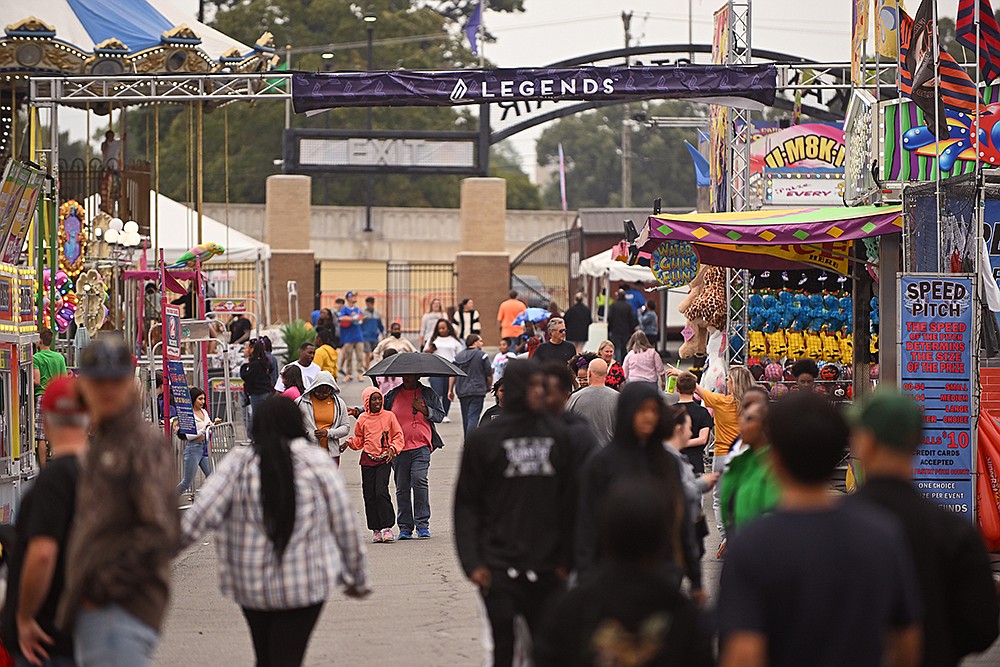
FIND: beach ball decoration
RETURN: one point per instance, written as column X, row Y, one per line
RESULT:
column 674, row 263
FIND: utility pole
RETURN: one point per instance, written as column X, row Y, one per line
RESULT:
column 691, row 29
column 626, row 115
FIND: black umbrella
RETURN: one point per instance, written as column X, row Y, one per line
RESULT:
column 421, row 364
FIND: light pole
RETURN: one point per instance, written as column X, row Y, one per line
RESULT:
column 370, row 20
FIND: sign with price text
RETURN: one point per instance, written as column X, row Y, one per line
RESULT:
column 936, row 369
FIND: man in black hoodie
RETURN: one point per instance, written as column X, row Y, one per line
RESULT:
column 514, row 507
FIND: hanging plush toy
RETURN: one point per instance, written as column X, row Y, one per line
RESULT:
column 714, row 377
column 776, row 344
column 814, row 345
column 796, row 344
column 831, row 346
column 65, row 301
column 757, row 344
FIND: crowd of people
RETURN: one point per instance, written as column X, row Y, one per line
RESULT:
column 579, row 510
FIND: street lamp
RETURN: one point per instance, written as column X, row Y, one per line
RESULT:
column 369, row 19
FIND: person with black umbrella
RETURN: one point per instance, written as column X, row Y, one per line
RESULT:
column 417, row 408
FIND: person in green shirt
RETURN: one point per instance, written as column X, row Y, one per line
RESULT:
column 47, row 364
column 748, row 487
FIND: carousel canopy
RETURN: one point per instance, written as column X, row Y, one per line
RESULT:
column 108, row 37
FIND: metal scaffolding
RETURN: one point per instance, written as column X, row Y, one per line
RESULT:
column 738, row 133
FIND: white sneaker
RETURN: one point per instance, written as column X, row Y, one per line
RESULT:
column 446, row 420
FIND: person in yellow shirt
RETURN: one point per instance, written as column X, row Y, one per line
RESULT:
column 326, row 353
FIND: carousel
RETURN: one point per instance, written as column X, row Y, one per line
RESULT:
column 85, row 242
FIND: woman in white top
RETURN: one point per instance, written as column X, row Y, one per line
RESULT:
column 286, row 534
column 445, row 344
column 196, row 447
column 429, row 321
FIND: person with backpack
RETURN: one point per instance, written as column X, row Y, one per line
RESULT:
column 472, row 389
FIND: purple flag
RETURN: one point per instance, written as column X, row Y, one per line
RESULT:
column 562, row 177
column 472, row 27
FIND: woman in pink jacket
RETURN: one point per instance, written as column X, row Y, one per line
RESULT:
column 643, row 363
column 379, row 437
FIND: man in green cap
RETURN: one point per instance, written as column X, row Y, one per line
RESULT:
column 959, row 596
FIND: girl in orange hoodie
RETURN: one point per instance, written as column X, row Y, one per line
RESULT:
column 379, row 437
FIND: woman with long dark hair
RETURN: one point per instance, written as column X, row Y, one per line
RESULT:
column 280, row 512
column 256, row 375
column 196, row 446
column 635, row 453
column 445, row 344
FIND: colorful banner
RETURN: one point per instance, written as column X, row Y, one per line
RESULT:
column 799, row 147
column 19, row 194
column 936, row 370
column 792, row 226
column 751, row 86
column 172, row 332
column 674, row 263
column 719, row 119
column 887, row 28
column 828, row 256
column 180, row 397
column 804, row 188
column 859, row 33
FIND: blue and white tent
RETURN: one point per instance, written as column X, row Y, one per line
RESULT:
column 116, row 37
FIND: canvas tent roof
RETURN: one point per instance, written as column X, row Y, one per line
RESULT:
column 179, row 232
column 604, row 265
column 139, row 24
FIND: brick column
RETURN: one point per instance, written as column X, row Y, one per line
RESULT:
column 482, row 268
column 288, row 230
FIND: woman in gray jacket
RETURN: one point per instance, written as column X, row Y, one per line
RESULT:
column 324, row 414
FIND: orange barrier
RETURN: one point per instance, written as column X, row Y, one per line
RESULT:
column 988, row 480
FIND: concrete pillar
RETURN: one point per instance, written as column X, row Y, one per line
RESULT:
column 288, row 230
column 482, row 268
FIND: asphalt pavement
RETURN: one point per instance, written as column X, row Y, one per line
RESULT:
column 422, row 610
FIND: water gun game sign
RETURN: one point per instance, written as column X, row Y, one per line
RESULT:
column 936, row 369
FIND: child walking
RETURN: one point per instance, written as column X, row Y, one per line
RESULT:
column 379, row 437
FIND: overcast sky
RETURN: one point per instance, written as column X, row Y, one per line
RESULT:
column 552, row 30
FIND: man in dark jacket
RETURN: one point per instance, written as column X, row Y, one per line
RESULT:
column 578, row 322
column 953, row 569
column 514, row 508
column 621, row 324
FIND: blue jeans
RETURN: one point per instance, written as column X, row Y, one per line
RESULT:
column 255, row 401
column 112, row 637
column 440, row 387
column 194, row 456
column 472, row 408
column 410, row 469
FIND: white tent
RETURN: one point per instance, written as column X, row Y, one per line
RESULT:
column 178, row 227
column 179, row 232
column 604, row 265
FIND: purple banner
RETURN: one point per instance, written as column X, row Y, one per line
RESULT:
column 751, row 86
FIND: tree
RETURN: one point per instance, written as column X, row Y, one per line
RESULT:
column 661, row 166
column 255, row 130
column 522, row 194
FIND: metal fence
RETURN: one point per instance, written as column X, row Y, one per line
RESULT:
column 541, row 272
column 410, row 288
column 221, row 441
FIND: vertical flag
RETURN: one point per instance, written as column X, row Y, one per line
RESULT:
column 931, row 78
column 887, row 28
column 859, row 33
column 989, row 35
column 702, row 178
column 472, row 27
column 562, row 178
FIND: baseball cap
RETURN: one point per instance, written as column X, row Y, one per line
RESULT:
column 61, row 397
column 349, row 294
column 893, row 418
column 107, row 358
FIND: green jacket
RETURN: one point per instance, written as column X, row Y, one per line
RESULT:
column 748, row 489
